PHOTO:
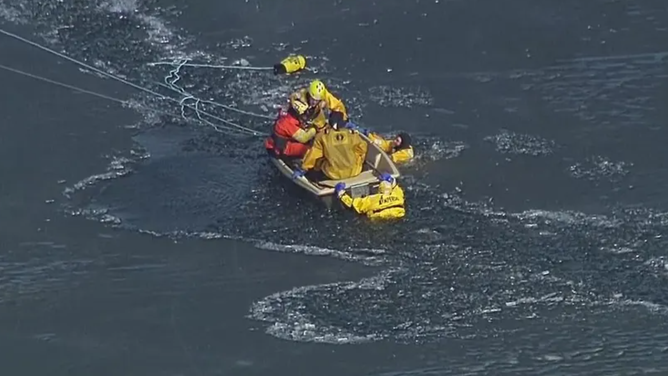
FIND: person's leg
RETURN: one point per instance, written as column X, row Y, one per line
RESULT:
column 296, row 149
column 316, row 176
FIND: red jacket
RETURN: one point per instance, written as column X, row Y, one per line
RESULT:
column 281, row 141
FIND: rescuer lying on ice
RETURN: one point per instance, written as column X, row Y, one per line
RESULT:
column 388, row 203
column 290, row 138
column 319, row 100
column 337, row 153
column 399, row 148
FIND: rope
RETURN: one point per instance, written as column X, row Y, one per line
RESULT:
column 171, row 85
column 110, row 98
column 147, row 90
column 62, row 84
column 211, row 66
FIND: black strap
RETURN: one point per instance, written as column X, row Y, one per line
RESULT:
column 280, row 143
column 389, row 207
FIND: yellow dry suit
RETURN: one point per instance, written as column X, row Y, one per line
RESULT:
column 319, row 100
column 338, row 153
column 388, row 203
column 399, row 148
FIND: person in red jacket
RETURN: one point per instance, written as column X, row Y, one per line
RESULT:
column 289, row 138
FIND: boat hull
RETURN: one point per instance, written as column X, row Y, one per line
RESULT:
column 376, row 163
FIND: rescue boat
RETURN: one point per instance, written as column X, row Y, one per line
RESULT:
column 366, row 183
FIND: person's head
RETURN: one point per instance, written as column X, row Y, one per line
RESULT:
column 387, row 183
column 402, row 141
column 298, row 109
column 316, row 92
column 336, row 120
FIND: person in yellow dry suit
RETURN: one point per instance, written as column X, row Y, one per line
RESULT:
column 400, row 148
column 388, row 203
column 320, row 99
column 337, row 153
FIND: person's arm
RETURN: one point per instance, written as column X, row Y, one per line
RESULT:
column 361, row 204
column 304, row 136
column 360, row 149
column 385, row 145
column 335, row 104
column 299, row 95
column 402, row 156
column 313, row 154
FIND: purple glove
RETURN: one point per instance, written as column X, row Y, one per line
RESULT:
column 298, row 173
column 339, row 188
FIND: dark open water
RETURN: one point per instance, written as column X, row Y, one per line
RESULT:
column 136, row 243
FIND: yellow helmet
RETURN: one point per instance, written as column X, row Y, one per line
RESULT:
column 299, row 106
column 317, row 90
